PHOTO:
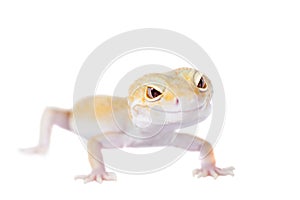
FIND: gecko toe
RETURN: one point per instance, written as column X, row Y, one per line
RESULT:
column 99, row 179
column 225, row 171
column 110, row 176
column 213, row 173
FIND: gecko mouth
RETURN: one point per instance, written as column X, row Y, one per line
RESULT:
column 167, row 117
column 199, row 108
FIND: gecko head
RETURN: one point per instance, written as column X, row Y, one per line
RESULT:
column 180, row 96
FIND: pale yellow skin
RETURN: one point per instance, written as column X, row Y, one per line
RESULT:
column 110, row 122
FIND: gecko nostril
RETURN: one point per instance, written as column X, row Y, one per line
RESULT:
column 177, row 101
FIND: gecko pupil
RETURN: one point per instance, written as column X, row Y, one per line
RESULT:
column 201, row 83
column 153, row 93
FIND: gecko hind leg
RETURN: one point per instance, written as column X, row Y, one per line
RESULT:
column 50, row 117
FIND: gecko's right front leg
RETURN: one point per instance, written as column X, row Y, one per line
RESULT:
column 94, row 147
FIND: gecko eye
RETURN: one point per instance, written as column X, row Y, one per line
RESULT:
column 152, row 94
column 200, row 82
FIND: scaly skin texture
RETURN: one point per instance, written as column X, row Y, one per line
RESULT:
column 159, row 101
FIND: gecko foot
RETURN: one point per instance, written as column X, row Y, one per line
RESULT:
column 214, row 172
column 97, row 176
column 35, row 150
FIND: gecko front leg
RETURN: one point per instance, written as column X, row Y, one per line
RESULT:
column 94, row 147
column 208, row 163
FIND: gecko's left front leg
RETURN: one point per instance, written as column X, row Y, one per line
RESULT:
column 208, row 163
column 94, row 147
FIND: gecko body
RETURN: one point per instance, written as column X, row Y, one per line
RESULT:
column 157, row 107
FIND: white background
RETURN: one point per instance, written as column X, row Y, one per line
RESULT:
column 254, row 44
